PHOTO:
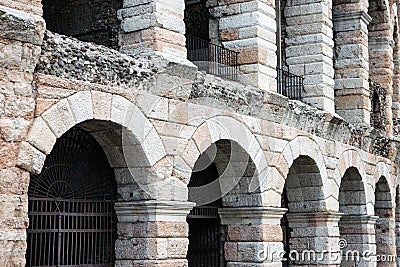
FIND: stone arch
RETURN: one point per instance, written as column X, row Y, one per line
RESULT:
column 304, row 146
column 355, row 225
column 130, row 141
column 351, row 158
column 147, row 194
column 382, row 170
column 305, row 197
column 213, row 130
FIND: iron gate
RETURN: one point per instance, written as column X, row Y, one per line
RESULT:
column 205, row 238
column 71, row 206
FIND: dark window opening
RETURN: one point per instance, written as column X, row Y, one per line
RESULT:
column 197, row 19
column 201, row 45
column 90, row 21
column 378, row 107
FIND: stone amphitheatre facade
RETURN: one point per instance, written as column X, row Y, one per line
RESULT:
column 105, row 127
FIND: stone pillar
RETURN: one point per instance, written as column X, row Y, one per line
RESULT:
column 254, row 236
column 309, row 49
column 249, row 28
column 20, row 42
column 315, row 233
column 153, row 26
column 357, row 234
column 352, row 94
column 380, row 47
column 152, row 233
column 385, row 237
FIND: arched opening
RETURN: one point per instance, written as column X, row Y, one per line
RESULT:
column 220, row 179
column 71, row 206
column 352, row 225
column 385, row 225
column 304, row 199
column 89, row 21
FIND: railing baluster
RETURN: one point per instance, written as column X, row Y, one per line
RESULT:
column 211, row 58
column 289, row 84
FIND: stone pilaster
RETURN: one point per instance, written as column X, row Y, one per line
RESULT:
column 380, row 48
column 249, row 28
column 352, row 96
column 20, row 40
column 385, row 237
column 254, row 236
column 152, row 233
column 153, row 26
column 357, row 234
column 316, row 235
column 309, row 49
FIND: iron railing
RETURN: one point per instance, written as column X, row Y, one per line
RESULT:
column 290, row 85
column 212, row 59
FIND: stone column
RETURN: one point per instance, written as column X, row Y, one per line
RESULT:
column 20, row 41
column 397, row 229
column 315, row 237
column 380, row 47
column 153, row 26
column 309, row 49
column 254, row 236
column 152, row 233
column 248, row 27
column 385, row 237
column 357, row 234
column 352, row 94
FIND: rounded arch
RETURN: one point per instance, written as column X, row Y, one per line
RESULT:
column 352, row 159
column 131, row 143
column 302, row 146
column 382, row 170
column 213, row 130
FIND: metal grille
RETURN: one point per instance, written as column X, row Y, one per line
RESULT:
column 205, row 243
column 71, row 215
column 212, row 59
column 290, row 85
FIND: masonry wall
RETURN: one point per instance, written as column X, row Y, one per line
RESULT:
column 52, row 83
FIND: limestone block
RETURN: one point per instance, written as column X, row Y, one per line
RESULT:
column 59, row 118
column 41, row 136
column 30, row 159
column 81, row 106
column 101, row 105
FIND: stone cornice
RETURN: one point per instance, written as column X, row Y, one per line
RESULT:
column 352, row 15
column 152, row 210
column 251, row 215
